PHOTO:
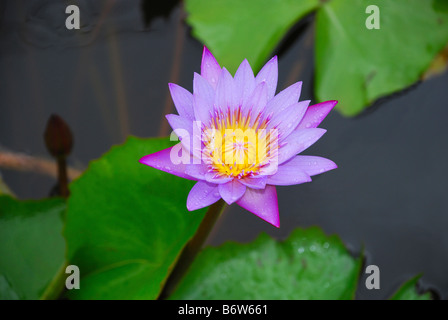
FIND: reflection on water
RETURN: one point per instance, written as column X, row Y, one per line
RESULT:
column 110, row 79
column 42, row 23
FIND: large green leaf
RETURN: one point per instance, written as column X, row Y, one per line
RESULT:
column 31, row 246
column 408, row 291
column 127, row 223
column 308, row 265
column 235, row 30
column 356, row 65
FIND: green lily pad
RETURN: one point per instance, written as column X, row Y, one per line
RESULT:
column 308, row 265
column 32, row 248
column 127, row 223
column 408, row 291
column 356, row 65
column 235, row 30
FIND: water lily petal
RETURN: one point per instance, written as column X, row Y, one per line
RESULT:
column 258, row 182
column 202, row 195
column 284, row 98
column 256, row 101
column 269, row 74
column 287, row 120
column 202, row 88
column 231, row 191
column 288, row 174
column 298, row 141
column 178, row 122
column 161, row 160
column 202, row 110
column 312, row 165
column 188, row 133
column 212, row 177
column 225, row 97
column 263, row 203
column 244, row 82
column 183, row 101
column 210, row 68
column 315, row 114
column 197, row 171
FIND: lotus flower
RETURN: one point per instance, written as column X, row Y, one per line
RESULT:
column 239, row 140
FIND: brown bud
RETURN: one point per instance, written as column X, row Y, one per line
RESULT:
column 58, row 137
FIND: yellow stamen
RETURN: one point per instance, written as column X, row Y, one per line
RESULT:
column 237, row 147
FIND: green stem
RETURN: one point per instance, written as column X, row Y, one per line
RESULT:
column 62, row 176
column 56, row 286
column 192, row 248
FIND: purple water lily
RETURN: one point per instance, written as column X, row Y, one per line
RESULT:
column 239, row 140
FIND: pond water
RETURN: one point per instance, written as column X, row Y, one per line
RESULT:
column 388, row 195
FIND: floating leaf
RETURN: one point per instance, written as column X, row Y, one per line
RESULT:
column 408, row 291
column 438, row 66
column 235, row 30
column 356, row 65
column 31, row 246
column 127, row 223
column 308, row 265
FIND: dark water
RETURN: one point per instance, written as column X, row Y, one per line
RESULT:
column 110, row 80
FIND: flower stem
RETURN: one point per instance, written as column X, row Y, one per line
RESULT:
column 192, row 248
column 62, row 177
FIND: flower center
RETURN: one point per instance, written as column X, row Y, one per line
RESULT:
column 238, row 145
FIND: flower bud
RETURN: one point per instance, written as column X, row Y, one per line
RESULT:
column 58, row 137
